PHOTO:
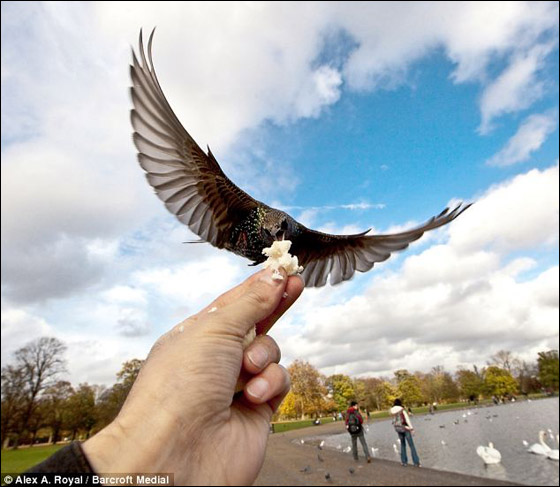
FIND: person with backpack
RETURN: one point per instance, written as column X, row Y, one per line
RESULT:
column 354, row 426
column 403, row 427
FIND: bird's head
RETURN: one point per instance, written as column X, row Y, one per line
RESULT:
column 277, row 225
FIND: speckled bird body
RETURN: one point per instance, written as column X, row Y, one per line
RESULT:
column 261, row 227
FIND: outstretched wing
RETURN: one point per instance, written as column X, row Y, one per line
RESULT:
column 189, row 182
column 340, row 256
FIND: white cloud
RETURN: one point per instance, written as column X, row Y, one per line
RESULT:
column 192, row 283
column 521, row 213
column 529, row 137
column 18, row 328
column 517, row 87
column 456, row 302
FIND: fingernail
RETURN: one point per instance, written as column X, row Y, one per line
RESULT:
column 273, row 277
column 258, row 388
column 258, row 356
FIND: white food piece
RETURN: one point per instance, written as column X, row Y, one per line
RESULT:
column 279, row 256
column 249, row 337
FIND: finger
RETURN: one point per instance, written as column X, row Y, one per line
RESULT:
column 260, row 353
column 233, row 294
column 292, row 292
column 272, row 382
column 260, row 299
column 275, row 402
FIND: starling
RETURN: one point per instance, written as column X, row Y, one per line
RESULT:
column 195, row 189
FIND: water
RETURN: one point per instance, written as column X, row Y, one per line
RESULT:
column 505, row 425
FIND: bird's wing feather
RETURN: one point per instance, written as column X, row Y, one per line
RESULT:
column 340, row 256
column 189, row 182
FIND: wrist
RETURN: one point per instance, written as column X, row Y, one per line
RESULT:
column 127, row 449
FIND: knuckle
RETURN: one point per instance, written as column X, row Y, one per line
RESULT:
column 258, row 299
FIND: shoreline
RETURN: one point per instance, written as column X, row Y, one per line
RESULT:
column 290, row 463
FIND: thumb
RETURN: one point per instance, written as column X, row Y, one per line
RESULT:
column 260, row 296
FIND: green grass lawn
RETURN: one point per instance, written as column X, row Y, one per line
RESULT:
column 16, row 461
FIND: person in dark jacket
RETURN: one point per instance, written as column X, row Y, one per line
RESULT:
column 354, row 425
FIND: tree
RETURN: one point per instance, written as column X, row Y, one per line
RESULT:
column 40, row 362
column 548, row 369
column 81, row 410
column 439, row 386
column 13, row 402
column 499, row 382
column 342, row 389
column 128, row 373
column 505, row 360
column 527, row 377
column 471, row 383
column 408, row 388
column 111, row 400
column 57, row 408
column 288, row 407
column 379, row 394
column 307, row 389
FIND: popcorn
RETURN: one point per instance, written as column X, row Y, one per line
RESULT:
column 278, row 256
column 249, row 337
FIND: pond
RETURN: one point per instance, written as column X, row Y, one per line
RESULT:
column 448, row 440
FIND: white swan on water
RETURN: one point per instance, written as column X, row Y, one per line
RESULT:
column 489, row 454
column 540, row 448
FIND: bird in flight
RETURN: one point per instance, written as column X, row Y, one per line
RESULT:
column 194, row 188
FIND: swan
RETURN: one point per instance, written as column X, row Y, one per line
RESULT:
column 540, row 448
column 552, row 455
column 489, row 454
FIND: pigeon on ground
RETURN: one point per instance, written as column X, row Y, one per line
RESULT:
column 194, row 188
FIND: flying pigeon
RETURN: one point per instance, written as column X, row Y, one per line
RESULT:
column 194, row 188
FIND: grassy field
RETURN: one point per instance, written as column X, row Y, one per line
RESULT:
column 16, row 461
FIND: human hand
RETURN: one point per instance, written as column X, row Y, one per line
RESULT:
column 181, row 415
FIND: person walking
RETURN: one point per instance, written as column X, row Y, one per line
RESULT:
column 404, row 428
column 354, row 422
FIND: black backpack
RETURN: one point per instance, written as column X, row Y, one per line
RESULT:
column 354, row 426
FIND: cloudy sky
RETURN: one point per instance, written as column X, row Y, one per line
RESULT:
column 348, row 115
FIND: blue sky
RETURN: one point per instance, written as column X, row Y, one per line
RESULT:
column 348, row 115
